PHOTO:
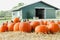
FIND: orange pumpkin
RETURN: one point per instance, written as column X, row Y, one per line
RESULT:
column 45, row 23
column 24, row 27
column 3, row 28
column 15, row 20
column 53, row 27
column 6, row 25
column 10, row 26
column 41, row 28
column 41, row 22
column 59, row 27
column 58, row 22
column 34, row 24
column 16, row 26
column 52, row 21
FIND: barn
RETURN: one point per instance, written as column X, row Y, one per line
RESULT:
column 40, row 9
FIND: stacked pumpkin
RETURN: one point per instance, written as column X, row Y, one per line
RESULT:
column 29, row 26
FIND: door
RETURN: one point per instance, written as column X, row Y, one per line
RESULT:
column 40, row 13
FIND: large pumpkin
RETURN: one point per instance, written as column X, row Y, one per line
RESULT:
column 3, row 28
column 16, row 19
column 16, row 26
column 53, row 27
column 34, row 24
column 41, row 29
column 24, row 27
column 10, row 26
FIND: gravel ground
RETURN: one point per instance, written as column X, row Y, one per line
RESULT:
column 28, row 36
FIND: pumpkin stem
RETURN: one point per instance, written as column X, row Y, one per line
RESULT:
column 27, row 19
column 3, row 23
column 24, row 20
column 11, row 21
column 6, row 21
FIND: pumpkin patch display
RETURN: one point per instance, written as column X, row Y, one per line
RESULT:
column 16, row 26
column 24, row 27
column 53, row 27
column 10, row 26
column 15, row 20
column 41, row 29
column 34, row 24
column 40, row 26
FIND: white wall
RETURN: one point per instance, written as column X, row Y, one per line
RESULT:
column 17, row 14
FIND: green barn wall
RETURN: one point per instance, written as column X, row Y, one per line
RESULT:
column 29, row 11
column 50, row 13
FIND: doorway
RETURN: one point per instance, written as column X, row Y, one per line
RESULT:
column 39, row 13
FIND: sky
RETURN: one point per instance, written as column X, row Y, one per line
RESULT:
column 9, row 4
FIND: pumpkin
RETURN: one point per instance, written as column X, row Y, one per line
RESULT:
column 6, row 25
column 58, row 22
column 41, row 22
column 10, row 26
column 41, row 29
column 45, row 23
column 3, row 28
column 52, row 21
column 59, row 27
column 24, row 27
column 16, row 26
column 53, row 27
column 16, row 19
column 34, row 24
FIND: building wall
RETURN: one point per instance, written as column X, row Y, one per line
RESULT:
column 29, row 11
column 50, row 13
column 17, row 14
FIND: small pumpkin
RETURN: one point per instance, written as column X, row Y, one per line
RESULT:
column 16, row 19
column 58, row 22
column 16, row 26
column 41, row 29
column 34, row 24
column 46, row 22
column 3, row 28
column 6, row 25
column 53, row 27
column 10, row 26
column 41, row 22
column 24, row 27
column 51, row 21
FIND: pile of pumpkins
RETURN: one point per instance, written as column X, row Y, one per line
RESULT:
column 41, row 26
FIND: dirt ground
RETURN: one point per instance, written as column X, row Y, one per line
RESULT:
column 28, row 36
